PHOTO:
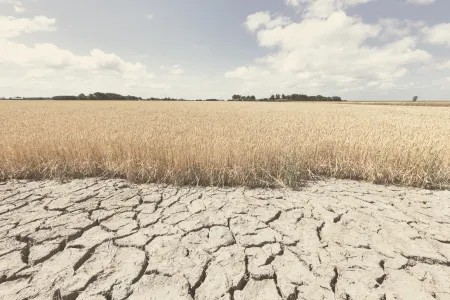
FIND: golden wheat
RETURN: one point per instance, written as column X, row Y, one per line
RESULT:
column 402, row 103
column 253, row 144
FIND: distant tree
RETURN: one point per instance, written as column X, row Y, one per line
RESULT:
column 129, row 97
column 237, row 98
column 64, row 98
column 253, row 98
column 100, row 96
column 278, row 97
column 415, row 98
column 283, row 96
column 272, row 97
column 82, row 97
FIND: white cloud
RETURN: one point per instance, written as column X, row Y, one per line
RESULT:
column 420, row 2
column 322, row 8
column 12, row 27
column 263, row 19
column 19, row 9
column 38, row 73
column 438, row 34
column 50, row 56
column 338, row 30
column 443, row 66
column 333, row 52
column 176, row 70
column 44, row 56
column 149, row 16
column 293, row 2
column 17, row 5
column 247, row 73
column 395, row 28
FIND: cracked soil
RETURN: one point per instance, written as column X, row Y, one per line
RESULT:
column 113, row 240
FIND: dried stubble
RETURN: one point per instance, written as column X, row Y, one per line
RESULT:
column 253, row 144
column 403, row 103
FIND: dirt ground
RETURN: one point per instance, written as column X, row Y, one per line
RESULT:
column 109, row 239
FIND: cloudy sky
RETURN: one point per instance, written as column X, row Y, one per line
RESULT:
column 357, row 49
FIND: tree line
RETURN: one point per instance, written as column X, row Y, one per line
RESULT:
column 283, row 97
column 114, row 96
column 97, row 96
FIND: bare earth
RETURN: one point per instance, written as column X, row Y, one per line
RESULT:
column 100, row 240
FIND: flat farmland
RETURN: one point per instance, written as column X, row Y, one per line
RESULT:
column 225, row 144
column 403, row 103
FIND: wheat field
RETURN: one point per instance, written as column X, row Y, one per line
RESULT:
column 225, row 144
column 403, row 103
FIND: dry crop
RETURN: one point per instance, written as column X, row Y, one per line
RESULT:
column 403, row 103
column 253, row 144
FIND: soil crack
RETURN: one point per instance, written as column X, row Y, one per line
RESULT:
column 319, row 231
column 334, row 280
column 243, row 282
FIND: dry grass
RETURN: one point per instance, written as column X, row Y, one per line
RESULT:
column 253, row 144
column 403, row 103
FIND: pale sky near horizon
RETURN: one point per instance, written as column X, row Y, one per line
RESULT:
column 356, row 49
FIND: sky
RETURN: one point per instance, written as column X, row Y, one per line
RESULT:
column 356, row 49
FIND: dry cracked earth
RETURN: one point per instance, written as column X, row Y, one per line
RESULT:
column 109, row 239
